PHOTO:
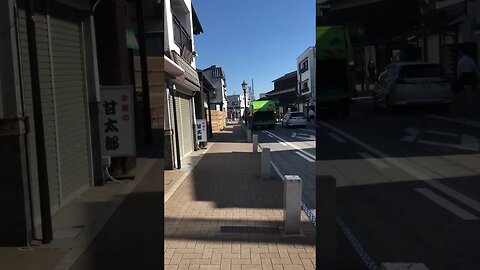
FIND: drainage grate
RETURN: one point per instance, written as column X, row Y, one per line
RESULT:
column 248, row 229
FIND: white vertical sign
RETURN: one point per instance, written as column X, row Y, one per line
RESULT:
column 201, row 130
column 117, row 124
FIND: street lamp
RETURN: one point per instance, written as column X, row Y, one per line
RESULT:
column 244, row 87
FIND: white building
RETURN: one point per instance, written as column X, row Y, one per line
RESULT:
column 306, row 63
column 218, row 98
column 181, row 79
column 236, row 103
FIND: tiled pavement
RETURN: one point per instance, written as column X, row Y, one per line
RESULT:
column 223, row 216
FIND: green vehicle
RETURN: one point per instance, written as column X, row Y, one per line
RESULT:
column 335, row 69
column 262, row 114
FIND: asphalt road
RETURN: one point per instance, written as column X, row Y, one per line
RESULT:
column 293, row 153
column 408, row 184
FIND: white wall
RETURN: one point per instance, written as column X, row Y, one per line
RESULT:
column 309, row 54
column 183, row 12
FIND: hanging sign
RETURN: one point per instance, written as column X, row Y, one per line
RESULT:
column 201, row 130
column 117, row 120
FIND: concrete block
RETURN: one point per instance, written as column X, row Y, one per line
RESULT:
column 292, row 199
column 266, row 167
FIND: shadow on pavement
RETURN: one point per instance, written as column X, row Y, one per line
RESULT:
column 133, row 236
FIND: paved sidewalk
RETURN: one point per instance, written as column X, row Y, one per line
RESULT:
column 223, row 216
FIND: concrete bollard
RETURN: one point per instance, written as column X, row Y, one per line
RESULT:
column 249, row 135
column 255, row 143
column 266, row 167
column 292, row 199
column 326, row 221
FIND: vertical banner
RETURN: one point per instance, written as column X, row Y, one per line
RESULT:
column 117, row 124
column 201, row 130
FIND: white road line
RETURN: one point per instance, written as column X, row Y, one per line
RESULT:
column 298, row 148
column 442, row 133
column 412, row 171
column 375, row 161
column 282, row 143
column 270, row 136
column 456, row 146
column 468, row 120
column 308, row 130
column 337, row 138
column 461, row 213
column 305, row 157
column 456, row 120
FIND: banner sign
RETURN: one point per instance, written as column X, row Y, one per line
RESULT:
column 201, row 130
column 117, row 124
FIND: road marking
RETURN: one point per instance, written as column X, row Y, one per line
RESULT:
column 304, row 156
column 270, row 136
column 413, row 134
column 282, row 143
column 302, row 136
column 456, row 146
column 308, row 130
column 457, row 120
column 468, row 120
column 442, row 133
column 337, row 138
column 375, row 161
column 454, row 209
column 469, row 143
column 419, row 175
column 298, row 148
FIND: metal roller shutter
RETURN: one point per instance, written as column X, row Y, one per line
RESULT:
column 180, row 124
column 48, row 108
column 187, row 130
column 72, row 122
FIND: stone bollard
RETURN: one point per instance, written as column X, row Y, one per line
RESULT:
column 292, row 199
column 326, row 221
column 255, row 143
column 249, row 135
column 266, row 172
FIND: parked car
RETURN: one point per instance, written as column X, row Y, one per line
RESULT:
column 292, row 119
column 412, row 83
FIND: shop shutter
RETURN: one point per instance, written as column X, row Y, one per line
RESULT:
column 48, row 110
column 71, row 105
column 187, row 128
column 180, row 124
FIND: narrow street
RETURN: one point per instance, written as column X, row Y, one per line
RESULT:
column 407, row 182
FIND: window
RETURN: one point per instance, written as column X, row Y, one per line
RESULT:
column 217, row 73
column 303, row 66
column 304, row 86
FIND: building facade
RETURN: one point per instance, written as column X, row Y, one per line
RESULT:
column 218, row 98
column 285, row 93
column 181, row 80
column 236, row 104
column 306, row 63
column 68, row 90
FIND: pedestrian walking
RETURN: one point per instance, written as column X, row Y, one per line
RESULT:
column 467, row 72
column 311, row 114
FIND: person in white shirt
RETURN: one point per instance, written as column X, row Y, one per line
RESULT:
column 311, row 114
column 467, row 71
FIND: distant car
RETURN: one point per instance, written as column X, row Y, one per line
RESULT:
column 412, row 83
column 292, row 119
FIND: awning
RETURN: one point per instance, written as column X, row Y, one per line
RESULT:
column 172, row 68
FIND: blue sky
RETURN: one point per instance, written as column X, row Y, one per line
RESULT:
column 253, row 39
